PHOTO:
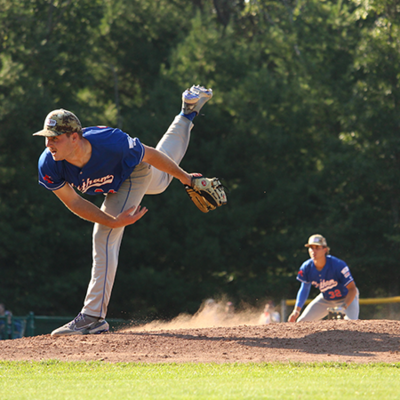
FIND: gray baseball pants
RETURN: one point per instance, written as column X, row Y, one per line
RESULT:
column 318, row 308
column 145, row 179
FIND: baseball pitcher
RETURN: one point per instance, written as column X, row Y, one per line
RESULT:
column 103, row 160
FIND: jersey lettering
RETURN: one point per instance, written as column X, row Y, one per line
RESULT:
column 95, row 183
column 325, row 285
column 334, row 294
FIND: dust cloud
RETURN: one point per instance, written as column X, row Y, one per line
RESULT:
column 211, row 314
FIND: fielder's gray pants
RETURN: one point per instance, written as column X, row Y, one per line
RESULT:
column 318, row 308
column 145, row 179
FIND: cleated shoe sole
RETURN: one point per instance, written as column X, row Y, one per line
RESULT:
column 193, row 99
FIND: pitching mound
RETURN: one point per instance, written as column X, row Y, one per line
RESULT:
column 330, row 340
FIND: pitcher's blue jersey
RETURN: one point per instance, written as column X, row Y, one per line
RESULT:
column 114, row 156
column 331, row 280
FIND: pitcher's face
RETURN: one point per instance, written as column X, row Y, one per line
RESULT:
column 61, row 147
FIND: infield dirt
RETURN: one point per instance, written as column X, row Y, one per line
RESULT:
column 362, row 341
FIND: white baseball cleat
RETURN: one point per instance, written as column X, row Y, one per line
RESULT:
column 193, row 99
column 82, row 325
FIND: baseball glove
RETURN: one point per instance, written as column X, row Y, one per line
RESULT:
column 336, row 313
column 206, row 193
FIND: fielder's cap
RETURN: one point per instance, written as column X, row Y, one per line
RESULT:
column 316, row 240
column 58, row 122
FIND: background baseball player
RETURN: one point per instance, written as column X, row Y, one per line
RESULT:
column 332, row 277
column 107, row 161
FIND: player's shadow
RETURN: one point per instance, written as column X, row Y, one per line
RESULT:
column 333, row 341
column 337, row 342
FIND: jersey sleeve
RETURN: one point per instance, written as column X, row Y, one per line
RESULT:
column 134, row 152
column 49, row 174
column 302, row 275
column 345, row 276
column 303, row 294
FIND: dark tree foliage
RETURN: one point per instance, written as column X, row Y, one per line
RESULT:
column 303, row 129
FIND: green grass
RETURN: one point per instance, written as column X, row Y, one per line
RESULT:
column 97, row 380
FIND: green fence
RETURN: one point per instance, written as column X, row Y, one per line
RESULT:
column 12, row 327
column 32, row 325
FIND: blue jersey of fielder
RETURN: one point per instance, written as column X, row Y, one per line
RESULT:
column 331, row 280
column 114, row 156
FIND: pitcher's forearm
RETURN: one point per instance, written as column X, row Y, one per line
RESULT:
column 164, row 163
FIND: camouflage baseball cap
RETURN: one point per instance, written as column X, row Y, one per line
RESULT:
column 58, row 122
column 316, row 240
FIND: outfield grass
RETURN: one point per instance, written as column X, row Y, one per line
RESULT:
column 97, row 380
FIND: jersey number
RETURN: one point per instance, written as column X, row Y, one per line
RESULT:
column 335, row 293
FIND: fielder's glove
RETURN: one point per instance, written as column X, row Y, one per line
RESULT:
column 206, row 193
column 336, row 313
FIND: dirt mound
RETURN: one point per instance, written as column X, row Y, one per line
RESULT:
column 330, row 340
